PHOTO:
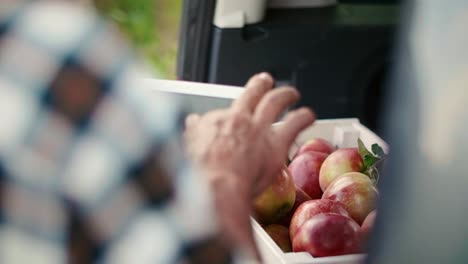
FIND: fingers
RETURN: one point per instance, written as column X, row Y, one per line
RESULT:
column 293, row 124
column 255, row 89
column 191, row 120
column 274, row 103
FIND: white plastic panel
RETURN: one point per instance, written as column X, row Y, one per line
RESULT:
column 238, row 13
column 200, row 97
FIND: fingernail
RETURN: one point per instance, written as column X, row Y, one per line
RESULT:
column 266, row 76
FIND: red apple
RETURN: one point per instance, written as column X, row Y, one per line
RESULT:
column 316, row 144
column 280, row 234
column 339, row 162
column 328, row 235
column 311, row 208
column 305, row 170
column 368, row 225
column 356, row 192
column 276, row 201
column 301, row 197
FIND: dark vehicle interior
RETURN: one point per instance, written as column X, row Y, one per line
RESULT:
column 337, row 53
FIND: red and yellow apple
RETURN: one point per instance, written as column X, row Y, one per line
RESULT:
column 328, row 235
column 311, row 208
column 280, row 234
column 305, row 170
column 301, row 197
column 356, row 192
column 368, row 225
column 339, row 162
column 317, row 145
column 276, row 200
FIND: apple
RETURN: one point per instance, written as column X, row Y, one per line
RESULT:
column 305, row 170
column 356, row 192
column 368, row 225
column 276, row 200
column 280, row 234
column 328, row 235
column 339, row 162
column 317, row 145
column 311, row 208
column 301, row 197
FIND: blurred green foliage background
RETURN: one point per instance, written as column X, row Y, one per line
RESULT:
column 152, row 26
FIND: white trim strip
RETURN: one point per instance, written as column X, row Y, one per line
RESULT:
column 192, row 88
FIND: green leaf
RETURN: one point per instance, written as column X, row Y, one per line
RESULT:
column 362, row 149
column 368, row 158
column 378, row 151
column 369, row 161
column 373, row 162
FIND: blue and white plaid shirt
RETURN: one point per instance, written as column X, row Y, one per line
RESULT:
column 91, row 168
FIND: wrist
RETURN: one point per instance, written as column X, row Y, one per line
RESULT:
column 221, row 181
column 233, row 207
column 230, row 195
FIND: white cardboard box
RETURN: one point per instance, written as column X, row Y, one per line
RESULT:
column 341, row 132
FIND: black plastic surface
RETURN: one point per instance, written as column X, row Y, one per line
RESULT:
column 336, row 56
column 195, row 39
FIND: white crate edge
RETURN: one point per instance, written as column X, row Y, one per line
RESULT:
column 191, row 88
column 326, row 129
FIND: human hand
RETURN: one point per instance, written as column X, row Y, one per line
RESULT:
column 241, row 141
column 241, row 152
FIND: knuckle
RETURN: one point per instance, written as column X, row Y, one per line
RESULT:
column 275, row 98
column 239, row 119
column 239, row 123
column 239, row 116
column 219, row 122
column 215, row 117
